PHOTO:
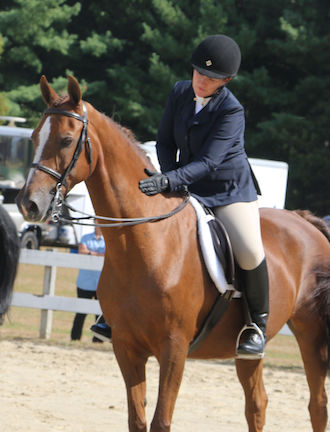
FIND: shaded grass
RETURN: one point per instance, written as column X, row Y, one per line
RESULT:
column 24, row 323
column 283, row 351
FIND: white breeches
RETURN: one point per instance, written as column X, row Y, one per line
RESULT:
column 242, row 222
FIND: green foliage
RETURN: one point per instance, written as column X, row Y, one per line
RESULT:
column 32, row 29
column 127, row 55
column 4, row 103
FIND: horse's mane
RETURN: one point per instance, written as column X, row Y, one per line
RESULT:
column 131, row 139
column 129, row 134
column 319, row 223
column 61, row 100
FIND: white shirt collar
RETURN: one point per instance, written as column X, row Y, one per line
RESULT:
column 201, row 102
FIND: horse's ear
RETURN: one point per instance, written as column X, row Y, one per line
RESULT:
column 49, row 95
column 74, row 90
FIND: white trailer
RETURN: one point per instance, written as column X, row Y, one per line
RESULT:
column 272, row 177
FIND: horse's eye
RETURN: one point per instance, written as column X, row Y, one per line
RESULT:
column 67, row 141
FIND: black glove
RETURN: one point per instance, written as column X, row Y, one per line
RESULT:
column 157, row 183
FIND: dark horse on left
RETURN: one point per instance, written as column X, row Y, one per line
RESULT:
column 9, row 244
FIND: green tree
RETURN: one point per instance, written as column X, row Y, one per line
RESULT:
column 35, row 40
column 285, row 88
column 3, row 98
column 128, row 54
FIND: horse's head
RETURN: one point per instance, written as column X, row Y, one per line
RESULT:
column 58, row 140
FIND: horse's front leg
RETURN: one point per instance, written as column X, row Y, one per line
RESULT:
column 171, row 366
column 249, row 373
column 132, row 365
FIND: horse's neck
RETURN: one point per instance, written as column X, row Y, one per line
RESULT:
column 120, row 165
column 113, row 187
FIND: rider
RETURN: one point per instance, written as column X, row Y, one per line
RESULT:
column 204, row 123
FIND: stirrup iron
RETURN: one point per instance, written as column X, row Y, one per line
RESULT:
column 252, row 356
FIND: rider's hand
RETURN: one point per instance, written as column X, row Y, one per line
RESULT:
column 156, row 183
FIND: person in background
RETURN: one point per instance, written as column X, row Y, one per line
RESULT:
column 87, row 280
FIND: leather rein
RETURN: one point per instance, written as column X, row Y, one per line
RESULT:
column 58, row 200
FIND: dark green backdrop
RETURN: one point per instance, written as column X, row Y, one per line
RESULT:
column 128, row 54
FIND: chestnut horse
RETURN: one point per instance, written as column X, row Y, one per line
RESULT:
column 154, row 289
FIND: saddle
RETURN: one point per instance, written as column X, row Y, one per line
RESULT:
column 216, row 248
column 222, row 247
column 220, row 262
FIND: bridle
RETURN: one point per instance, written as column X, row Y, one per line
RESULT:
column 82, row 139
column 58, row 197
column 58, row 200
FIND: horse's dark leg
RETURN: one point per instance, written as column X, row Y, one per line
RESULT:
column 249, row 373
column 171, row 365
column 313, row 348
column 132, row 365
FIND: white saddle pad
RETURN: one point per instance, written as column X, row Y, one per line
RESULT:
column 211, row 260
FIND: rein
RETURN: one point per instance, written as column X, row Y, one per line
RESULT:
column 58, row 200
column 120, row 222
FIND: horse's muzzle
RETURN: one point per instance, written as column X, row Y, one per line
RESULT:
column 34, row 207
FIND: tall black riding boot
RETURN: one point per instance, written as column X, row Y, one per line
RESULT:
column 251, row 340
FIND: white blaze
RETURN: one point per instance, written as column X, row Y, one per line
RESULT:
column 43, row 138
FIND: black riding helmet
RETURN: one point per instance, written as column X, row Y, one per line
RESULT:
column 217, row 56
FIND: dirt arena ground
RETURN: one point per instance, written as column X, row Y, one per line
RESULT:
column 55, row 388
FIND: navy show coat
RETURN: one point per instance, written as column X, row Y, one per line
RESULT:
column 212, row 159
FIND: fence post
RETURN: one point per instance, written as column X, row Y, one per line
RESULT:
column 47, row 315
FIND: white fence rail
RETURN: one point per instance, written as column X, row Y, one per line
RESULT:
column 48, row 302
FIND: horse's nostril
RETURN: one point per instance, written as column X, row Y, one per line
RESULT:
column 32, row 208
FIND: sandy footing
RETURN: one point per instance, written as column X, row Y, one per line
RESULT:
column 53, row 388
